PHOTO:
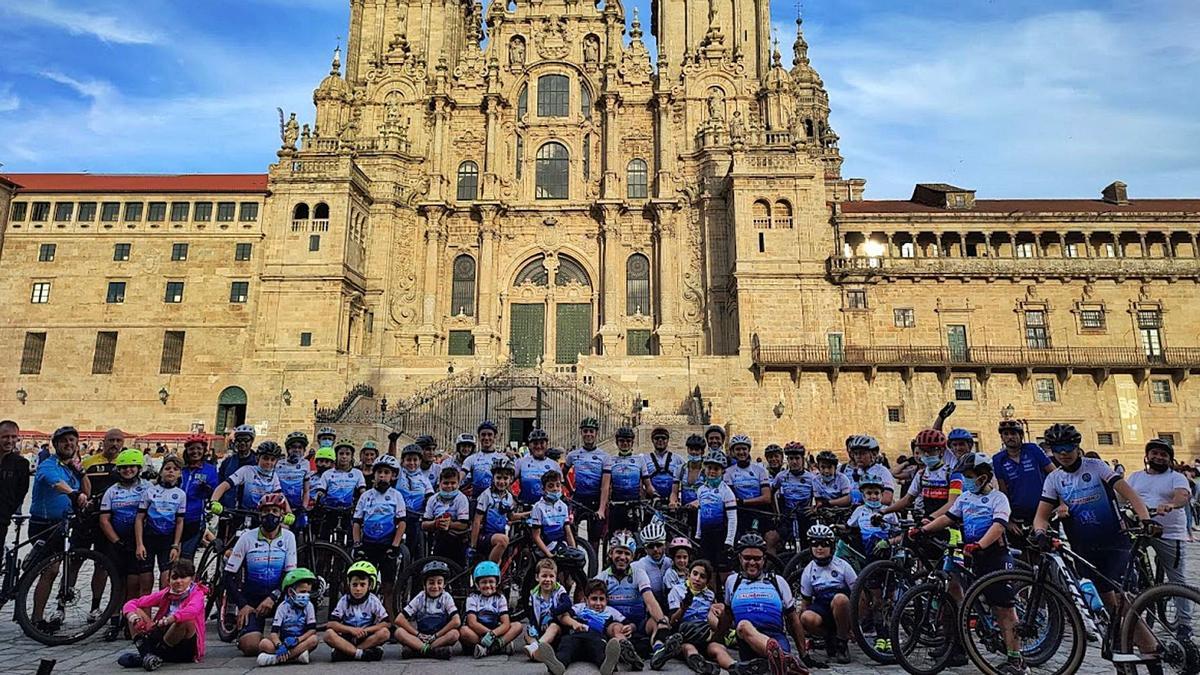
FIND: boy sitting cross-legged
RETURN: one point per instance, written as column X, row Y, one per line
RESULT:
column 593, row 634
column 358, row 626
column 428, row 626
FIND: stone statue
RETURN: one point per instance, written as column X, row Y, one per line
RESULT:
column 289, row 131
column 737, row 128
column 305, row 136
column 716, row 104
column 591, row 50
column 516, row 52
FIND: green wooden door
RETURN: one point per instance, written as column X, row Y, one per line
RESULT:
column 527, row 334
column 574, row 329
column 956, row 338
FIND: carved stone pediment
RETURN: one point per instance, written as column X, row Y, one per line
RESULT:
column 552, row 40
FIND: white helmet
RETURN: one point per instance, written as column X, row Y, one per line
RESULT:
column 820, row 531
column 623, row 539
column 654, row 533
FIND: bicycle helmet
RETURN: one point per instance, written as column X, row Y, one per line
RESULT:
column 930, row 438
column 654, row 533
column 272, row 499
column 172, row 459
column 751, row 540
column 296, row 576
column 976, row 462
column 129, row 458
column 1010, row 425
column 325, row 453
column 486, row 569
column 678, row 543
column 195, row 438
column 411, row 449
column 1160, row 444
column 244, row 430
column 386, row 461
column 539, row 435
column 960, row 435
column 740, row 439
column 624, row 432
column 794, row 448
column 694, row 441
column 63, row 431
column 364, row 568
column 554, row 453
column 370, row 445
column 425, row 441
column 269, row 449
column 716, row 457
column 827, row 457
column 862, row 442
column 589, row 423
column 465, row 439
column 435, row 568
column 296, row 436
column 1063, row 434
column 503, row 463
column 326, row 431
column 773, row 449
column 569, row 556
column 658, row 432
column 623, row 539
column 869, row 482
column 344, row 443
column 820, row 532
column 487, row 424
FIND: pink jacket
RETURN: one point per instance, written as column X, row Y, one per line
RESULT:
column 191, row 610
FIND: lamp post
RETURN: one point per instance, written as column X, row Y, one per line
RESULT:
column 22, row 395
column 383, row 409
column 287, row 397
column 163, row 395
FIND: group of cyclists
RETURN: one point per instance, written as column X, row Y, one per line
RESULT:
column 696, row 544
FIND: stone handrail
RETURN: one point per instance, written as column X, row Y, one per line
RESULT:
column 840, row 267
column 1067, row 357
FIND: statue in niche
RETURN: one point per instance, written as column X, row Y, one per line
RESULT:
column 516, row 52
column 737, row 128
column 716, row 104
column 591, row 50
column 392, row 110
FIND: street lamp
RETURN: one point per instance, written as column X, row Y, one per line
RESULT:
column 383, row 408
column 287, row 397
column 1008, row 411
column 22, row 395
column 778, row 410
column 163, row 395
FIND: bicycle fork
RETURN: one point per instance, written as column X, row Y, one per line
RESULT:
column 1071, row 582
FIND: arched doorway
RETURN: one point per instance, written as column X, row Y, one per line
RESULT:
column 568, row 301
column 231, row 409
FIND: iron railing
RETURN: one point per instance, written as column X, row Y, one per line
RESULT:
column 330, row 415
column 839, row 267
column 987, row 356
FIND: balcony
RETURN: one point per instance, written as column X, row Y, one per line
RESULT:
column 860, row 268
column 1100, row 362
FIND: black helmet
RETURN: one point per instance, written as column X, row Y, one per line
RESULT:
column 1010, row 425
column 487, row 424
column 695, row 441
column 425, row 441
column 554, row 453
column 773, row 449
column 570, row 556
column 976, row 462
column 589, row 423
column 1163, row 445
column 538, row 435
column 827, row 457
column 751, row 540
column 411, row 449
column 660, row 431
column 269, row 449
column 63, row 431
column 1063, row 434
column 435, row 568
column 624, row 432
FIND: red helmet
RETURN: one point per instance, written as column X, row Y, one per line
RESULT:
column 195, row 438
column 931, row 438
column 270, row 499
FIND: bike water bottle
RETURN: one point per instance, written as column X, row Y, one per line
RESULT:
column 1089, row 592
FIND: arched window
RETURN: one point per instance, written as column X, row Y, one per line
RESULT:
column 585, row 102
column 553, row 171
column 520, row 156
column 300, row 212
column 587, row 156
column 321, row 212
column 637, row 285
column 462, row 295
column 468, row 182
column 553, row 96
column 636, row 179
column 760, row 213
column 523, row 102
column 782, row 215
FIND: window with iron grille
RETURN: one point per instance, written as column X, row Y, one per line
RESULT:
column 1160, row 391
column 462, row 293
column 121, row 252
column 106, row 349
column 1043, row 390
column 116, row 293
column 461, row 343
column 202, row 212
column 637, row 342
column 63, row 211
column 468, row 182
column 174, row 294
column 1106, row 438
column 241, row 252
column 962, row 389
column 637, row 285
column 179, row 211
column 904, row 318
column 31, row 356
column 172, row 352
column 1149, row 318
column 637, row 179
column 1091, row 318
column 133, row 212
column 225, row 211
column 41, row 293
column 156, row 212
column 46, row 252
column 856, row 298
column 110, row 211
column 248, row 212
column 87, row 212
column 895, row 414
column 19, row 210
column 41, row 212
column 239, row 291
column 179, row 252
column 306, row 339
column 1036, row 334
column 553, row 96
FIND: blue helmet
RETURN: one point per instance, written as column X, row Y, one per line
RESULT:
column 485, row 569
column 487, row 424
column 960, row 434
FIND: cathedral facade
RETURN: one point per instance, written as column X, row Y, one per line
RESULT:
column 580, row 228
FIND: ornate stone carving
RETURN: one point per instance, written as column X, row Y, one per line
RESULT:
column 552, row 39
column 516, row 52
column 404, row 304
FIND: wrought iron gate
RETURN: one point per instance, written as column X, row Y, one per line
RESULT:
column 550, row 401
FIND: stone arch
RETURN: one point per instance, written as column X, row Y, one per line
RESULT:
column 321, row 211
column 231, row 409
column 300, row 211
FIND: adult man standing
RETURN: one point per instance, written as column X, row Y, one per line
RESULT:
column 1021, row 469
column 593, row 478
column 660, row 466
column 1167, row 493
column 58, row 489
column 14, row 476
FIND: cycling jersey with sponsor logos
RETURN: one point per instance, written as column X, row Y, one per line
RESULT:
column 552, row 518
column 688, row 487
column 590, row 467
column 530, row 470
column 254, row 483
column 292, row 478
column 794, row 488
column 291, row 621
column 496, row 507
column 762, row 601
column 265, row 560
column 661, row 469
column 1023, row 478
column 714, row 501
column 701, row 603
column 596, row 619
column 415, row 489
column 378, row 513
column 825, row 581
column 361, row 614
column 979, row 512
column 626, row 478
column 747, row 481
column 457, row 507
column 487, row 608
column 1087, row 492
column 871, row 533
column 625, row 593
column 654, row 570
column 162, row 505
column 339, row 487
column 931, row 488
column 546, row 609
column 121, row 503
column 478, row 470
column 198, row 483
column 831, row 487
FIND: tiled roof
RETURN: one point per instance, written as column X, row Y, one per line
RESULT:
column 1003, row 206
column 183, row 183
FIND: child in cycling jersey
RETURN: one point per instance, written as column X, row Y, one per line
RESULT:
column 253, row 482
column 118, row 515
column 493, row 509
column 447, row 518
column 358, row 626
column 550, row 516
column 378, row 524
column 428, row 627
column 167, row 625
column 488, row 629
column 367, row 454
column 688, row 605
column 825, row 586
column 680, row 551
column 547, row 601
column 158, row 528
column 593, row 633
column 871, row 523
column 716, row 507
column 338, row 488
column 294, row 627
column 416, row 490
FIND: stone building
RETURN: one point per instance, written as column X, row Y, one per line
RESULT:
column 553, row 225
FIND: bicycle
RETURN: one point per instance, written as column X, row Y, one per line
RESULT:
column 909, row 563
column 1172, row 651
column 73, row 618
column 210, row 570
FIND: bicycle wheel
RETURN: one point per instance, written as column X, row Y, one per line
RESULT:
column 209, row 570
column 1152, row 573
column 1049, row 627
column 922, row 628
column 796, row 563
column 329, row 563
column 410, row 583
column 1176, row 655
column 66, row 578
column 872, row 600
column 593, row 559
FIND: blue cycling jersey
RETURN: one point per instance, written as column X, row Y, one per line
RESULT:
column 661, row 472
column 228, row 467
column 625, row 593
column 48, row 504
column 478, row 468
column 254, row 483
column 162, row 505
column 832, row 487
column 590, row 467
column 714, row 501
column 378, row 513
column 626, row 478
column 552, row 518
column 496, row 508
column 795, row 489
column 292, row 478
column 415, row 489
column 1023, row 479
column 529, row 474
column 747, row 481
column 979, row 512
column 121, row 503
column 198, row 484
column 687, row 488
column 339, row 487
column 762, row 601
column 1088, row 493
column 265, row 561
column 698, row 610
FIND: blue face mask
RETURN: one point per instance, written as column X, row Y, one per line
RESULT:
column 299, row 600
column 712, row 482
column 969, row 485
column 447, row 494
column 873, row 503
column 326, row 442
column 931, row 461
column 553, row 496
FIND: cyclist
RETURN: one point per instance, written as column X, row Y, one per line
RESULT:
column 825, row 586
column 14, row 476
column 930, row 488
column 488, row 629
column 118, row 513
column 493, row 510
column 714, row 437
column 688, row 604
column 793, row 491
column 660, row 466
column 416, row 490
column 175, row 632
column 864, row 451
column 629, row 592
column 830, row 486
column 58, row 489
column 549, row 517
column 429, row 456
column 1169, row 492
column 773, row 456
column 750, row 484
column 626, row 474
column 266, row 554
column 358, row 626
column 158, row 529
column 716, row 511
column 367, row 455
column 447, row 518
column 464, row 446
column 198, row 482
column 379, row 523
column 252, row 482
column 294, row 625
column 338, row 488
column 530, row 468
column 982, row 513
column 428, row 627
column 593, row 478
column 295, row 477
column 655, row 562
column 323, row 460
column 680, row 551
column 326, row 437
column 477, row 468
column 871, row 522
column 958, row 443
column 690, row 474
column 760, row 608
column 242, row 455
column 1021, row 469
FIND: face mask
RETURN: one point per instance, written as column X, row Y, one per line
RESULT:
column 382, row 485
column 270, row 522
column 265, row 473
column 412, row 472
column 1159, row 467
column 300, row 600
column 447, row 494
column 712, row 482
column 326, row 442
column 554, row 496
column 970, row 485
column 874, row 503
column 931, row 461
column 694, row 588
column 624, row 452
column 695, row 459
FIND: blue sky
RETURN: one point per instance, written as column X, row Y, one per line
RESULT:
column 1015, row 98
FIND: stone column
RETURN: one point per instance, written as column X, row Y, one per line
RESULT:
column 664, row 189
column 609, row 188
column 487, row 332
column 1012, row 244
column 435, row 242
column 668, row 290
column 1142, row 241
column 610, row 279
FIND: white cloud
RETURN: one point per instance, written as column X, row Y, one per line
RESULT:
column 121, row 30
column 8, row 100
column 89, row 88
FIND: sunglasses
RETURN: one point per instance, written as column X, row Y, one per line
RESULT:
column 823, row 543
column 752, row 558
column 1062, row 449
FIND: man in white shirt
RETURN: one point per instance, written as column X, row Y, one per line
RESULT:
column 1167, row 493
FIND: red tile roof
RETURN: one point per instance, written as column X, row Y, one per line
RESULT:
column 1003, row 206
column 87, row 182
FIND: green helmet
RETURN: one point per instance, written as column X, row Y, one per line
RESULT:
column 129, row 458
column 325, row 453
column 589, row 423
column 370, row 445
column 364, row 568
column 296, row 576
